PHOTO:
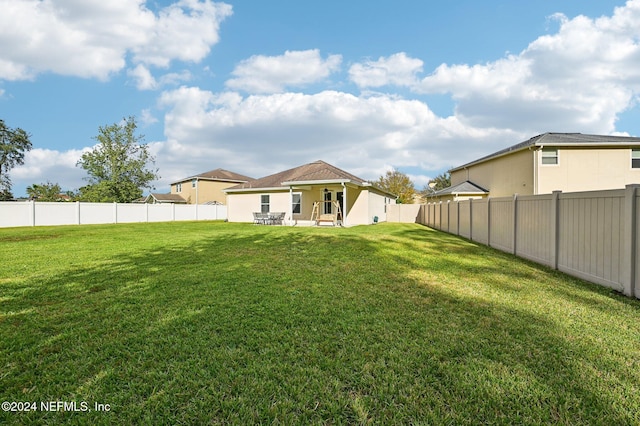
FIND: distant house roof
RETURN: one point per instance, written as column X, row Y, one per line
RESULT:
column 217, row 175
column 560, row 139
column 317, row 172
column 466, row 188
column 166, row 198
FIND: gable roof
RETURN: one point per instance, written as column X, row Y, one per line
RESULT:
column 166, row 198
column 559, row 139
column 317, row 172
column 217, row 175
column 466, row 187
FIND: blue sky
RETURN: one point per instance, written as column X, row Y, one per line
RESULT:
column 257, row 87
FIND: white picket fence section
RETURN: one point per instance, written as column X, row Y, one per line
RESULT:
column 592, row 235
column 30, row 213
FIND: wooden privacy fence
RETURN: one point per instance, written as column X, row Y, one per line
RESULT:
column 591, row 235
column 42, row 213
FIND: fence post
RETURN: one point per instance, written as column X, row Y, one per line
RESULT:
column 449, row 216
column 515, row 223
column 32, row 212
column 78, row 213
column 555, row 228
column 458, row 217
column 489, row 222
column 471, row 219
column 630, row 236
column 115, row 212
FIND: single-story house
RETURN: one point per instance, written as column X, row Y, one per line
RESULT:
column 207, row 187
column 312, row 194
column 463, row 191
column 568, row 162
column 163, row 199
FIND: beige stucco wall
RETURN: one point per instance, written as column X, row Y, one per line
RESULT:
column 581, row 169
column 503, row 176
column 360, row 204
column 207, row 191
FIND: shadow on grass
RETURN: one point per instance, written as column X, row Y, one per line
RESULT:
column 387, row 324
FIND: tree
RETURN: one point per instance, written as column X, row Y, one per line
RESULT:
column 117, row 166
column 45, row 192
column 399, row 184
column 13, row 145
column 439, row 182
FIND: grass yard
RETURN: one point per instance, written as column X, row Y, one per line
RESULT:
column 218, row 323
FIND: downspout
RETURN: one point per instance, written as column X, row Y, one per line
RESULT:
column 535, row 168
column 197, row 190
column 197, row 218
column 535, row 172
column 344, row 204
column 291, row 205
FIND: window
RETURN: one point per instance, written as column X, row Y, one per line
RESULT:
column 549, row 156
column 193, row 183
column 327, row 202
column 296, row 202
column 264, row 203
column 178, row 187
column 635, row 158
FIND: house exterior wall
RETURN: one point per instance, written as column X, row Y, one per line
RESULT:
column 584, row 169
column 378, row 205
column 242, row 206
column 502, row 176
column 361, row 205
column 207, row 191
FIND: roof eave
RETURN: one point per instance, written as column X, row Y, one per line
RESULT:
column 320, row 182
column 264, row 189
column 191, row 178
column 484, row 160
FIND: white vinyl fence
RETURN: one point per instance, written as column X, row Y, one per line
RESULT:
column 30, row 213
column 591, row 235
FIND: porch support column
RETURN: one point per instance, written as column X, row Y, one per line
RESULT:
column 291, row 205
column 344, row 204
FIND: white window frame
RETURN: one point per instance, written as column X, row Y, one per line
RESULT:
column 264, row 204
column 178, row 187
column 552, row 153
column 635, row 158
column 194, row 183
column 294, row 204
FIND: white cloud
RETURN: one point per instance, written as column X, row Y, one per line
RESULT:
column 262, row 134
column 397, row 69
column 578, row 79
column 147, row 118
column 185, row 31
column 42, row 165
column 144, row 80
column 92, row 38
column 272, row 74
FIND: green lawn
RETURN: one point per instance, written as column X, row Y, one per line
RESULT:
column 218, row 323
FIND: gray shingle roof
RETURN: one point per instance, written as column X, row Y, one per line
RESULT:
column 218, row 174
column 316, row 171
column 465, row 187
column 561, row 139
column 168, row 198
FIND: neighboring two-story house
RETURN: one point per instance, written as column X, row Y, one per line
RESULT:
column 569, row 162
column 207, row 187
